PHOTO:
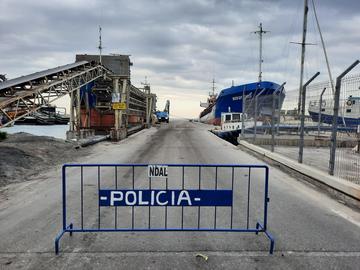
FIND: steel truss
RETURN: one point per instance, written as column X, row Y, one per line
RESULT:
column 27, row 98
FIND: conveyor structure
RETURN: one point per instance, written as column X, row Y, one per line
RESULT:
column 102, row 98
column 24, row 95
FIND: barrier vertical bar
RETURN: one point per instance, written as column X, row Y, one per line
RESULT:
column 232, row 188
column 133, row 187
column 266, row 198
column 116, row 185
column 182, row 207
column 216, row 176
column 82, row 196
column 98, row 186
column 64, row 196
column 149, row 205
column 199, row 189
column 166, row 208
column 58, row 237
column 248, row 200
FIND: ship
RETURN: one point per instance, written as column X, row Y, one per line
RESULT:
column 349, row 112
column 231, row 100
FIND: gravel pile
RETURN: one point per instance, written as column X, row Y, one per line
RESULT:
column 23, row 156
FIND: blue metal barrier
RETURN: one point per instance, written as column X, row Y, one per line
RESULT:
column 115, row 196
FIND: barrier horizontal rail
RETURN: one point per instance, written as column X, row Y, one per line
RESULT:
column 168, row 187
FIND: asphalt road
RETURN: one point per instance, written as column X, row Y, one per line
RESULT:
column 312, row 231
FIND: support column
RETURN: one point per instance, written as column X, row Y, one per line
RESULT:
column 123, row 99
column 119, row 131
column 72, row 114
column 116, row 91
column 87, row 105
column 78, row 117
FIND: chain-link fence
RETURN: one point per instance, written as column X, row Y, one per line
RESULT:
column 280, row 131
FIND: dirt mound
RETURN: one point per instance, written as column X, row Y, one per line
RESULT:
column 23, row 155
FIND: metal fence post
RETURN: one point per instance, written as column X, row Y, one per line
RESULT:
column 242, row 114
column 279, row 111
column 273, row 122
column 256, row 112
column 273, row 117
column 255, row 116
column 302, row 117
column 358, row 136
column 335, row 117
column 320, row 109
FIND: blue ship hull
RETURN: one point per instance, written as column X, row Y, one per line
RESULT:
column 327, row 119
column 230, row 100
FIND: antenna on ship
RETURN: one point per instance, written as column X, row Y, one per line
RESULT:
column 100, row 45
column 260, row 32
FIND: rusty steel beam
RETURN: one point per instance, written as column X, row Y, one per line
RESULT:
column 17, row 102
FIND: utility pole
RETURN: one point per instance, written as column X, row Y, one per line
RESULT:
column 260, row 32
column 303, row 44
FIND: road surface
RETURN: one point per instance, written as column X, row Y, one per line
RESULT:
column 312, row 231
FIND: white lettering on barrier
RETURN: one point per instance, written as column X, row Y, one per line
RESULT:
column 132, row 198
column 114, row 198
column 141, row 201
column 158, row 198
column 127, row 198
column 184, row 196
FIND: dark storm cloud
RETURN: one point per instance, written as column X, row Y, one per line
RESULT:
column 178, row 44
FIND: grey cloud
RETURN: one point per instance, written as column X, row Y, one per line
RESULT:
column 191, row 40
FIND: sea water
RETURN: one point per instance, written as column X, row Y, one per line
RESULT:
column 57, row 131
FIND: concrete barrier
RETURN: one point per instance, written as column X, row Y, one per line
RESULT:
column 311, row 141
column 336, row 183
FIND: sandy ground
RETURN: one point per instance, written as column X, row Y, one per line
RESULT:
column 23, row 156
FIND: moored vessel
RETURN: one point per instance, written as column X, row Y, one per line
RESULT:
column 231, row 100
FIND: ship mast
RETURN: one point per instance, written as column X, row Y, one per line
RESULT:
column 324, row 49
column 260, row 32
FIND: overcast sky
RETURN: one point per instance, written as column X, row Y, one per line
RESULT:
column 180, row 45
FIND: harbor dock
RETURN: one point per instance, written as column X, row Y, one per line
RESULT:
column 175, row 135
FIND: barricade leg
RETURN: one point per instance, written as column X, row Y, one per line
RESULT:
column 58, row 237
column 57, row 241
column 257, row 227
column 268, row 235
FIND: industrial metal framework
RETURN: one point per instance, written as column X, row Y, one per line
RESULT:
column 22, row 96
